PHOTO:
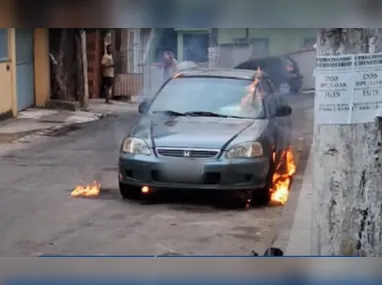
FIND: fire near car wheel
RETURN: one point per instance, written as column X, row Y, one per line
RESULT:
column 240, row 199
column 129, row 192
column 264, row 194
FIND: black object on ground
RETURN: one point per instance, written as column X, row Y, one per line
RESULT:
column 271, row 251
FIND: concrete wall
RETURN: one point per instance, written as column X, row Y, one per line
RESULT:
column 8, row 95
column 281, row 41
column 7, row 79
column 6, row 101
column 306, row 60
column 41, row 66
column 226, row 36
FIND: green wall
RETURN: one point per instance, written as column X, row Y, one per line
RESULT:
column 280, row 40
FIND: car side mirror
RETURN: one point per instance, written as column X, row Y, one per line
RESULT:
column 283, row 111
column 143, row 106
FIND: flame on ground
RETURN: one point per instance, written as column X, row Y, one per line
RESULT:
column 281, row 181
column 91, row 190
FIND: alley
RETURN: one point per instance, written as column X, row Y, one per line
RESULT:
column 38, row 215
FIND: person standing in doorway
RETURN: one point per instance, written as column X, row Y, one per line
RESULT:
column 169, row 65
column 107, row 64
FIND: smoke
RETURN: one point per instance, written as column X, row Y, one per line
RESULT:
column 191, row 13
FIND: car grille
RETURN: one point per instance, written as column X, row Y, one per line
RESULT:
column 191, row 153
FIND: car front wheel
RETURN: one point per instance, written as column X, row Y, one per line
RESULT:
column 129, row 192
column 264, row 194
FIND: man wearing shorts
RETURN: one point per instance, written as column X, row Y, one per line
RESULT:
column 107, row 64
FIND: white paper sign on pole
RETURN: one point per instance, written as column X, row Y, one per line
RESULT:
column 367, row 94
column 334, row 86
column 348, row 88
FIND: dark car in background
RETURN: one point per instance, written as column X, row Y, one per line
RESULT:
column 283, row 70
column 194, row 135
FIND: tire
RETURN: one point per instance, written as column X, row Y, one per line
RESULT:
column 264, row 194
column 234, row 199
column 244, row 200
column 129, row 192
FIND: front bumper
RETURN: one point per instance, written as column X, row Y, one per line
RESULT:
column 218, row 174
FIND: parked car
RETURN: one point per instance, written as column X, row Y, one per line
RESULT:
column 194, row 134
column 283, row 70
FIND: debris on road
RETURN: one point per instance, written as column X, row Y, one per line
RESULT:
column 91, row 190
column 271, row 251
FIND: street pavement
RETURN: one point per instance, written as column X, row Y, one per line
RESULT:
column 38, row 215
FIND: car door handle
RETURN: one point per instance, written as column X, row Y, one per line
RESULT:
column 8, row 67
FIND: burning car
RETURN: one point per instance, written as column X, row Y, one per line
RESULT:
column 225, row 130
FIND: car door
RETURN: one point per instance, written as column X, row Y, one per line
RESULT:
column 281, row 127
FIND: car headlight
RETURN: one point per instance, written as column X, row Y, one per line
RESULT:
column 245, row 150
column 135, row 146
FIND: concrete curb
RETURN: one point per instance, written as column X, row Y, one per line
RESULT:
column 70, row 124
column 284, row 224
column 59, row 130
column 300, row 234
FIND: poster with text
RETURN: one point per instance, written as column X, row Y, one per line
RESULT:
column 367, row 93
column 334, row 83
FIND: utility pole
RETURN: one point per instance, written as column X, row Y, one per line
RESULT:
column 85, row 102
column 347, row 155
column 213, row 50
column 113, row 42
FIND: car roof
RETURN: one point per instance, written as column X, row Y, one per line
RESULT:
column 219, row 72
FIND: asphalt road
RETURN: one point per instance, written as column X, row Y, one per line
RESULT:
column 38, row 215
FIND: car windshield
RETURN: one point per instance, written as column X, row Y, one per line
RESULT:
column 208, row 96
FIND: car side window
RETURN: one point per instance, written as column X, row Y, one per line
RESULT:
column 271, row 102
column 266, row 87
column 271, row 85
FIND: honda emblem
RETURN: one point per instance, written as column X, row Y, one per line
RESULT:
column 186, row 153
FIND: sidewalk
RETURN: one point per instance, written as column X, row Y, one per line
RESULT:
column 40, row 121
column 300, row 234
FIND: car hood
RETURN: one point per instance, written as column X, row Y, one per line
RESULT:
column 197, row 132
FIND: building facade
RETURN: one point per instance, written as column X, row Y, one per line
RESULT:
column 192, row 44
column 238, row 45
column 24, row 69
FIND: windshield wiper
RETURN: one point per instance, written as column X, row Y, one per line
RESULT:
column 194, row 114
column 170, row 113
column 209, row 114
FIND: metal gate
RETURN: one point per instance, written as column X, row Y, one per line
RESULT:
column 195, row 48
column 24, row 69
